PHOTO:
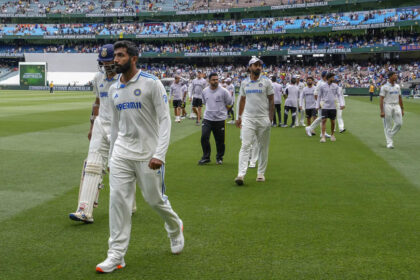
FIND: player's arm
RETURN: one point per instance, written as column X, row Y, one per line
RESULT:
column 228, row 99
column 160, row 102
column 401, row 105
column 270, row 96
column 381, row 101
column 114, row 126
column 318, row 100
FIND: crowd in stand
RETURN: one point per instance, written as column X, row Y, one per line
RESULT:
column 41, row 7
column 338, row 41
column 209, row 26
column 349, row 75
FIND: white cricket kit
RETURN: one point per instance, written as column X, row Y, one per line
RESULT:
column 140, row 131
column 178, row 90
column 292, row 96
column 392, row 110
column 340, row 121
column 97, row 158
column 318, row 120
column 255, row 122
column 307, row 98
column 277, row 89
column 198, row 86
column 301, row 116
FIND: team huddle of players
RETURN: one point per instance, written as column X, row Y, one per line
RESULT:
column 131, row 124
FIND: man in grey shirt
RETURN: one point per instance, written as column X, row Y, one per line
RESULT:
column 218, row 101
column 328, row 93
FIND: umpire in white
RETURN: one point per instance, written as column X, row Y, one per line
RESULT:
column 218, row 100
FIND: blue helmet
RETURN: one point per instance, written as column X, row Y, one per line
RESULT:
column 106, row 53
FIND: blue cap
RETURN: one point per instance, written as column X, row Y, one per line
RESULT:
column 324, row 73
column 106, row 53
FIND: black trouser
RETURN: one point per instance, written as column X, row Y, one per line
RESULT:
column 231, row 113
column 286, row 113
column 371, row 96
column 218, row 129
column 51, row 90
column 278, row 110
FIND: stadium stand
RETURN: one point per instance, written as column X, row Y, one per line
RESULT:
column 209, row 26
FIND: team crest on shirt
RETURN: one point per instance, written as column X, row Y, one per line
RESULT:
column 137, row 92
column 104, row 52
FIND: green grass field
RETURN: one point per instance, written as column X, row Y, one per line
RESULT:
column 343, row 210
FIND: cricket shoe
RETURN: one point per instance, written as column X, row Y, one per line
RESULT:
column 326, row 135
column 343, row 130
column 81, row 217
column 219, row 161
column 333, row 138
column 239, row 180
column 390, row 146
column 109, row 265
column 177, row 243
column 203, row 161
column 260, row 178
column 284, row 125
column 308, row 131
column 323, row 140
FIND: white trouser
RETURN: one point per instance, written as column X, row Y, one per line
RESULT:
column 392, row 113
column 254, row 151
column 317, row 121
column 301, row 116
column 99, row 142
column 259, row 128
column 97, row 159
column 123, row 175
column 340, row 121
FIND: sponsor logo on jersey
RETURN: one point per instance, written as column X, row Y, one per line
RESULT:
column 116, row 96
column 165, row 98
column 251, row 91
column 102, row 85
column 103, row 94
column 137, row 92
column 128, row 105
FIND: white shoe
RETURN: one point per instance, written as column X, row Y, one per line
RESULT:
column 390, row 146
column 327, row 135
column 81, row 217
column 109, row 265
column 177, row 243
column 239, row 180
column 308, row 131
column 260, row 178
column 133, row 210
column 252, row 165
column 323, row 140
column 333, row 138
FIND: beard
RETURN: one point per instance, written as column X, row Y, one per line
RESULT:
column 256, row 72
column 122, row 68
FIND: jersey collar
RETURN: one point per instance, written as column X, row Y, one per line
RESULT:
column 133, row 79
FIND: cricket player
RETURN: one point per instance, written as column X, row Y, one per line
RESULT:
column 99, row 136
column 231, row 89
column 278, row 94
column 218, row 101
column 340, row 121
column 291, row 103
column 140, row 133
column 328, row 94
column 301, row 111
column 392, row 108
column 256, row 109
column 307, row 100
column 310, row 130
column 198, row 85
column 178, row 93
